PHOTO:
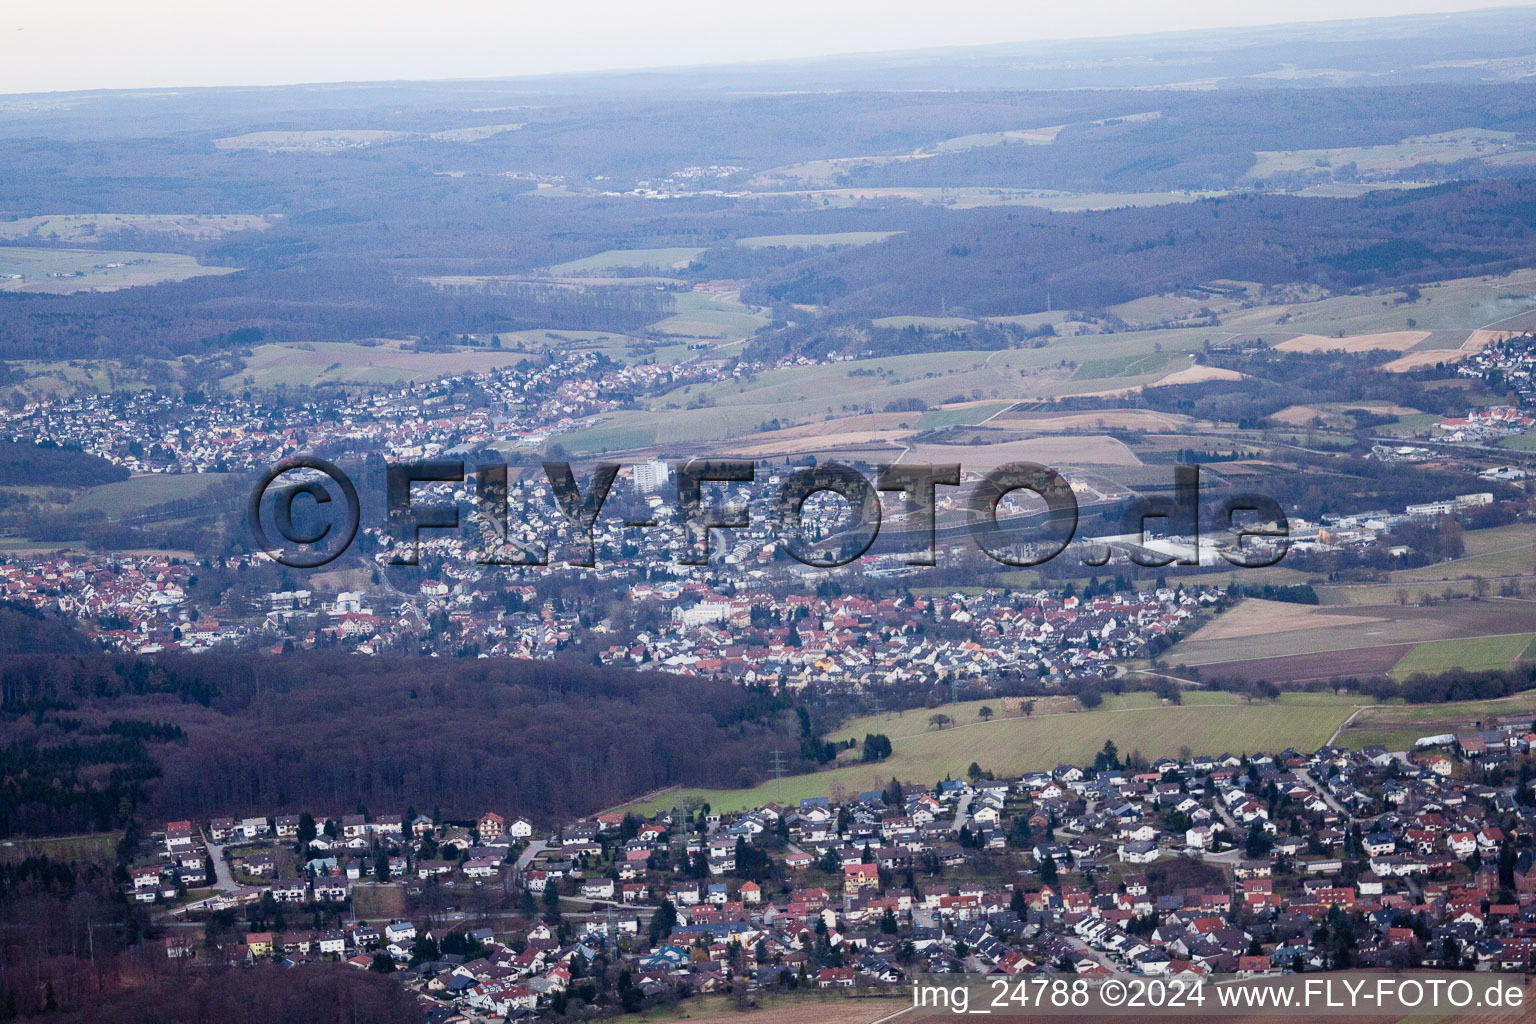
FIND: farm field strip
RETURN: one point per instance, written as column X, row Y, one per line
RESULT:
column 1384, row 626
column 344, row 362
column 961, row 416
column 1469, row 654
column 1398, row 726
column 612, row 259
column 82, row 227
column 127, row 497
column 829, row 238
column 64, row 271
column 1040, row 741
column 62, row 849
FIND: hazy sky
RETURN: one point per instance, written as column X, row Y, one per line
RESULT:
column 92, row 44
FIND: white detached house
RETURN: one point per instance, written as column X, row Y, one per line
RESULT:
column 399, row 931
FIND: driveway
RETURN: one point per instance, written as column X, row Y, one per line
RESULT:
column 535, row 847
column 962, row 811
column 223, row 879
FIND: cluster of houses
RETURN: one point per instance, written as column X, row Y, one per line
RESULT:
column 525, row 403
column 336, row 853
column 1368, row 529
column 124, row 601
column 757, row 624
column 1227, row 864
column 1506, row 363
column 740, row 629
column 1486, row 425
column 181, row 864
column 688, row 182
column 799, row 639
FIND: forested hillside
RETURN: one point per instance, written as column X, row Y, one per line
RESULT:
column 91, row 739
column 1007, row 262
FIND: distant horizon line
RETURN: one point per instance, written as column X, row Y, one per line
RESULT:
column 787, row 63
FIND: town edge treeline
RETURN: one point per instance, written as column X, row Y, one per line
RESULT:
column 92, row 740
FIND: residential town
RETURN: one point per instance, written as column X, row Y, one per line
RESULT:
column 795, row 640
column 591, row 516
column 1507, row 362
column 765, row 619
column 1239, row 864
column 522, row 405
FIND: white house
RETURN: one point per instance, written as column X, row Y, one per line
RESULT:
column 481, row 867
column 1138, row 852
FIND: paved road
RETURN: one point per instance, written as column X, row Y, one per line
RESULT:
column 223, row 879
column 1238, row 833
column 1327, row 796
column 535, row 848
column 603, row 904
column 1232, row 856
column 962, row 811
column 1097, row 955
